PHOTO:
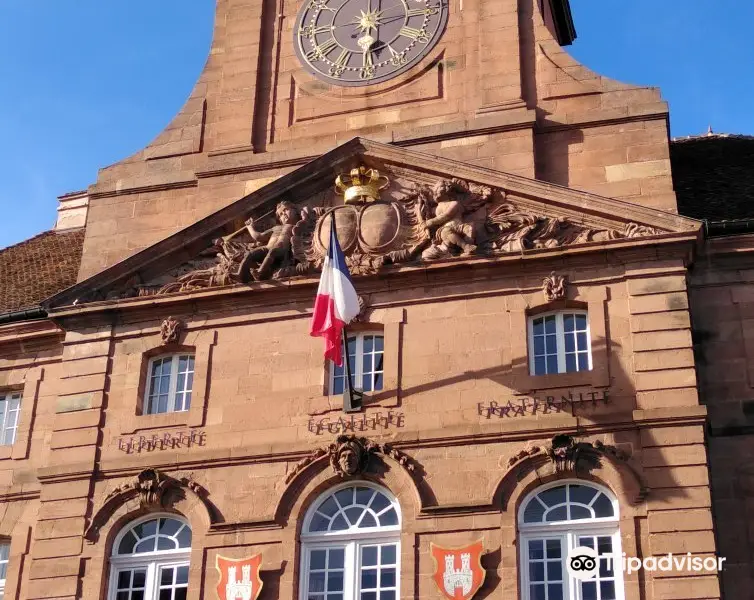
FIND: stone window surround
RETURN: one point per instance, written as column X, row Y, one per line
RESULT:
column 596, row 306
column 194, row 416
column 390, row 323
column 29, row 388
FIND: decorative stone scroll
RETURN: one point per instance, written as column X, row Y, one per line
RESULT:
column 570, row 456
column 155, row 491
column 554, row 287
column 170, row 329
column 350, row 455
column 450, row 219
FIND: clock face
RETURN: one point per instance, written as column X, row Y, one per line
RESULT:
column 362, row 42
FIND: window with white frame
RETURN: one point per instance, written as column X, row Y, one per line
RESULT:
column 365, row 351
column 170, row 381
column 150, row 560
column 557, row 518
column 4, row 555
column 351, row 545
column 559, row 343
column 10, row 407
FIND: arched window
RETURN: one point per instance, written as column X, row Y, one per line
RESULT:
column 150, row 560
column 557, row 518
column 351, row 545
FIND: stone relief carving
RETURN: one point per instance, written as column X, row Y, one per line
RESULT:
column 350, row 455
column 427, row 223
column 554, row 287
column 170, row 329
column 155, row 491
column 570, row 456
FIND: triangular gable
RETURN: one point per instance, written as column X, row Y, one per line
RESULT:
column 413, row 208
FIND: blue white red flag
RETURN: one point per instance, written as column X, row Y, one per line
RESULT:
column 337, row 303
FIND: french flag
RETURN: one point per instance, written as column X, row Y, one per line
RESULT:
column 337, row 303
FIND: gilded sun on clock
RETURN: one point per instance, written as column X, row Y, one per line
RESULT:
column 362, row 42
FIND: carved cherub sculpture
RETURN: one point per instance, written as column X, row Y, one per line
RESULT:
column 452, row 230
column 260, row 263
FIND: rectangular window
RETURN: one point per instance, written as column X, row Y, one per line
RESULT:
column 170, row 381
column 559, row 343
column 365, row 351
column 4, row 555
column 10, row 407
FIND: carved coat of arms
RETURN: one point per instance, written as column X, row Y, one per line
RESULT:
column 458, row 571
column 239, row 579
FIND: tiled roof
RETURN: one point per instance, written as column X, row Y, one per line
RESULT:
column 713, row 176
column 38, row 268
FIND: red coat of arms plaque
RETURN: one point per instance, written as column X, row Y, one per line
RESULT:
column 239, row 578
column 458, row 571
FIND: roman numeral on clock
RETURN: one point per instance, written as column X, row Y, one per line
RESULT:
column 420, row 12
column 321, row 50
column 343, row 57
column 418, row 35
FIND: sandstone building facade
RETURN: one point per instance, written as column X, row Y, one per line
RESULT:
column 553, row 343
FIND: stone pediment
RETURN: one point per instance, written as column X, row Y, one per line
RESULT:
column 392, row 208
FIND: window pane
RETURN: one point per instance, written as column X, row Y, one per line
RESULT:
column 553, row 549
column 570, row 363
column 581, row 341
column 581, row 322
column 534, row 512
column 368, row 343
column 555, row 591
column 380, row 502
column 553, row 496
column 603, row 507
column 536, row 571
column 568, row 322
column 339, row 524
column 551, row 344
column 583, row 361
column 368, row 521
column 354, row 514
column 127, row 544
column 557, row 514
column 166, row 576
column 328, row 507
column 378, row 380
column 580, row 512
column 538, row 591
column 387, row 595
column 387, row 578
column 335, row 581
column 166, row 594
column 552, row 364
column 540, row 365
column 182, row 576
column 367, row 363
column 539, row 326
column 317, row 559
column 345, row 497
column 316, row 582
column 536, row 549
column 184, row 538
column 539, row 345
column 607, row 590
column 589, row 590
column 550, row 324
column 368, row 595
column 388, row 518
column 570, row 342
column 554, row 571
column 387, row 554
column 581, row 493
column 364, row 495
column 368, row 578
column 335, row 558
column 124, row 579
column 318, row 523
column 122, row 596
column 369, row 555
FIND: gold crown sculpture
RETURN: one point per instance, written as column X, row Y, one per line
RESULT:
column 361, row 185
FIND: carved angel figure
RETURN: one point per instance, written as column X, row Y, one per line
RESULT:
column 260, row 263
column 455, row 203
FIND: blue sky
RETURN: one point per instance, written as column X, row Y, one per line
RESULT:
column 88, row 82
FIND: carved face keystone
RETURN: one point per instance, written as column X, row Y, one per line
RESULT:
column 348, row 460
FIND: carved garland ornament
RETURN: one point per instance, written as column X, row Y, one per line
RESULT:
column 170, row 329
column 350, row 455
column 452, row 218
column 554, row 287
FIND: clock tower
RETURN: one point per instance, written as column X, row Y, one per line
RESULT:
column 484, row 82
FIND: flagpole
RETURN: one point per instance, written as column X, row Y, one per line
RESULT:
column 348, row 396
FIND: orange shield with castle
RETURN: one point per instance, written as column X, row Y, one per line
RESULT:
column 239, row 578
column 458, row 571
